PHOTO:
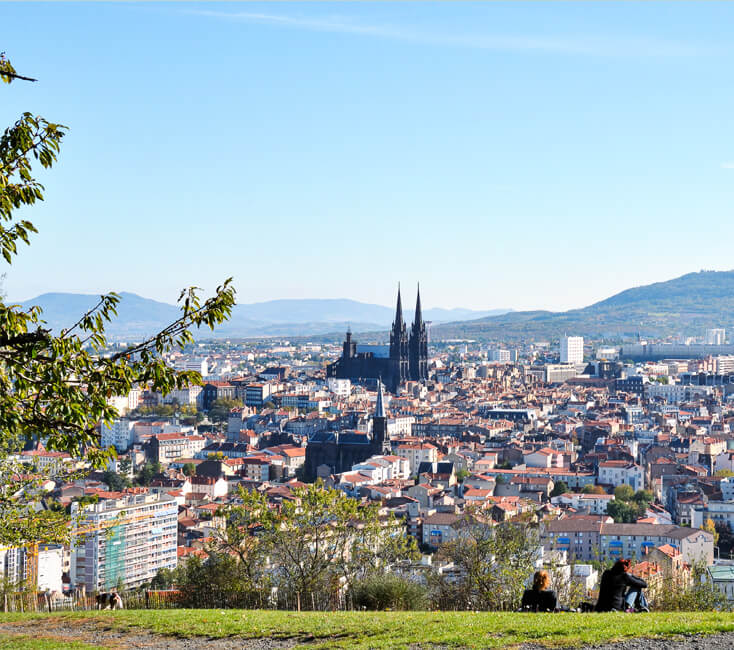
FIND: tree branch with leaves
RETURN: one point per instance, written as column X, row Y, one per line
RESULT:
column 58, row 387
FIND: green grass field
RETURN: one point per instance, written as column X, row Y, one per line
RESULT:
column 400, row 629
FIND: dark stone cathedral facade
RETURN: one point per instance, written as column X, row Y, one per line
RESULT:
column 334, row 452
column 407, row 358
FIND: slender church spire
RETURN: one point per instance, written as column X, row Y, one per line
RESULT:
column 398, row 312
column 418, row 312
column 418, row 344
column 380, row 404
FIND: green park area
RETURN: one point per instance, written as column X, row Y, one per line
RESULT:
column 365, row 629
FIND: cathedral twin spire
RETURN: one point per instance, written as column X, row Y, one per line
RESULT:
column 399, row 324
column 409, row 353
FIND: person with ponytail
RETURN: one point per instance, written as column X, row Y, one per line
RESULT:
column 540, row 598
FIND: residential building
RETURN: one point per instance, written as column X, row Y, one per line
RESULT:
column 499, row 355
column 621, row 472
column 167, row 447
column 120, row 434
column 416, row 453
column 598, row 538
column 721, row 576
column 215, row 390
column 257, row 394
column 439, row 528
column 196, row 364
column 123, row 541
column 572, row 349
column 212, row 487
column 341, row 388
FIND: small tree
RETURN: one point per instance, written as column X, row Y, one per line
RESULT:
column 624, row 493
column 116, row 482
column 559, row 488
column 323, row 540
column 164, row 579
column 696, row 594
column 220, row 408
column 593, row 489
column 147, row 472
column 710, row 526
column 495, row 562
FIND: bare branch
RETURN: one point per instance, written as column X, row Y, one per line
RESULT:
column 15, row 75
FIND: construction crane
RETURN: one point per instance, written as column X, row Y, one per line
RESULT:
column 110, row 523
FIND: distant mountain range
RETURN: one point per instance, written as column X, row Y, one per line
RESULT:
column 686, row 305
column 138, row 316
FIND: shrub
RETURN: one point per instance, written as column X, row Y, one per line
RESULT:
column 389, row 591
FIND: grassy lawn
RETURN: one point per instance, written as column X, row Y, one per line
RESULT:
column 24, row 642
column 401, row 629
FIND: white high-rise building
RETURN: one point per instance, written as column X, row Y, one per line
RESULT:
column 119, row 434
column 123, row 541
column 716, row 336
column 197, row 365
column 499, row 355
column 572, row 349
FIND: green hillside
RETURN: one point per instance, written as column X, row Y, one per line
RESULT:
column 689, row 305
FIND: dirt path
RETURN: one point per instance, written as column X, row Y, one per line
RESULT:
column 97, row 633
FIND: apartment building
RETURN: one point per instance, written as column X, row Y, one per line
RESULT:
column 716, row 336
column 416, row 453
column 594, row 504
column 188, row 395
column 675, row 393
column 499, row 356
column 123, row 541
column 340, row 387
column 621, row 472
column 119, row 434
column 720, row 512
column 167, row 447
column 572, row 349
column 589, row 539
column 257, row 394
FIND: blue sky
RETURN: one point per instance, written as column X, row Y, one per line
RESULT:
column 539, row 155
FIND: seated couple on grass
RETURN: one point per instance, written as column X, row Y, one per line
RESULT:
column 621, row 591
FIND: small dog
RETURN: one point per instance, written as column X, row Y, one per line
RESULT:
column 109, row 600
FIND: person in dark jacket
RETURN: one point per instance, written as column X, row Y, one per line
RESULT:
column 539, row 598
column 619, row 588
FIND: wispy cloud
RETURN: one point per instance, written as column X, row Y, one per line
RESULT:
column 601, row 45
column 727, row 165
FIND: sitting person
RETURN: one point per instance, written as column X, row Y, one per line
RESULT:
column 539, row 598
column 619, row 590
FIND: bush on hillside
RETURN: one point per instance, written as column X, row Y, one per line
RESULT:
column 389, row 591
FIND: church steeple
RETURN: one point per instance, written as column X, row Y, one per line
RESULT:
column 380, row 403
column 398, row 322
column 418, row 313
column 380, row 438
column 418, row 344
column 399, row 354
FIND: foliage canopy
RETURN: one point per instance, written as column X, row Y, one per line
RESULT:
column 57, row 387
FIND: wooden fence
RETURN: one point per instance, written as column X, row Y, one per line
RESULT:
column 29, row 601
